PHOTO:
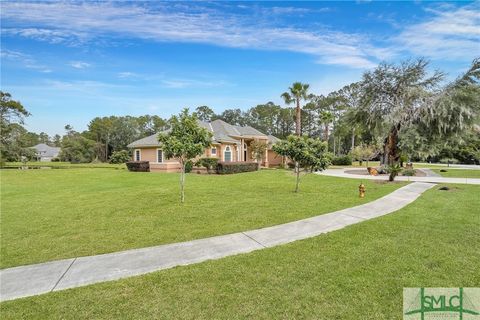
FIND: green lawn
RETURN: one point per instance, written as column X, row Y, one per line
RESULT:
column 458, row 173
column 54, row 214
column 65, row 165
column 354, row 273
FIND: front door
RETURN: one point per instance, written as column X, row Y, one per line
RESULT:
column 244, row 152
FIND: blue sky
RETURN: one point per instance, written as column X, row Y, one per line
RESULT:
column 69, row 62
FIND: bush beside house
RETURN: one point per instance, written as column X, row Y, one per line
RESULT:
column 138, row 166
column 236, row 167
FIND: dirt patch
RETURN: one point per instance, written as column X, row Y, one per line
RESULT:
column 448, row 188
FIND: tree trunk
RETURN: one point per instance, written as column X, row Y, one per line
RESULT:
column 391, row 177
column 106, row 150
column 182, row 182
column 325, row 133
column 298, row 129
column 297, row 172
column 393, row 152
column 353, row 138
column 334, row 145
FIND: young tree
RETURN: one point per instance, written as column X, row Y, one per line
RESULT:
column 258, row 149
column 185, row 141
column 298, row 92
column 310, row 154
column 364, row 152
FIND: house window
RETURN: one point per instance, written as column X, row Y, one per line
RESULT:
column 227, row 155
column 159, row 155
column 214, row 151
column 137, row 155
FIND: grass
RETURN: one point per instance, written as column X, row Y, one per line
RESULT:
column 459, row 173
column 55, row 214
column 355, row 273
column 65, row 165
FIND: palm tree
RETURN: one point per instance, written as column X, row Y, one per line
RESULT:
column 298, row 92
column 326, row 118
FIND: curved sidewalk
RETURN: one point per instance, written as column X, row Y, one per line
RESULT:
column 341, row 174
column 58, row 275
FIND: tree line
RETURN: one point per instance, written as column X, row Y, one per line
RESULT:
column 396, row 112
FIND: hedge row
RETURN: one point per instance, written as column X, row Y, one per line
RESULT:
column 221, row 167
column 236, row 167
column 138, row 166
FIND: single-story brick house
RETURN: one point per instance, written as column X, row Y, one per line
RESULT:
column 229, row 143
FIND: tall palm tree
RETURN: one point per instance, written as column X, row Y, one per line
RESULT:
column 326, row 118
column 298, row 92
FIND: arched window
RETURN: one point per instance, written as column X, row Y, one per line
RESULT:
column 227, row 154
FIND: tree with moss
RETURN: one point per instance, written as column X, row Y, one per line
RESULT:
column 404, row 101
column 185, row 141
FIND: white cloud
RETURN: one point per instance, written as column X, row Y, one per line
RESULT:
column 449, row 34
column 26, row 60
column 64, row 21
column 79, row 64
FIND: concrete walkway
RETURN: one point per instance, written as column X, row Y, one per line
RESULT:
column 342, row 174
column 429, row 172
column 58, row 275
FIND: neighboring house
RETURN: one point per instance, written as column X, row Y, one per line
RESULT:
column 229, row 143
column 46, row 153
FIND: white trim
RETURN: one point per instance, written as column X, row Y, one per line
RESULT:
column 139, row 155
column 211, row 153
column 156, row 155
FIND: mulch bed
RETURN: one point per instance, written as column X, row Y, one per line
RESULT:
column 364, row 172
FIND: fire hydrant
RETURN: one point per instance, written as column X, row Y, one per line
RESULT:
column 361, row 190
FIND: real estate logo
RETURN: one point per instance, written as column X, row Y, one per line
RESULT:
column 441, row 303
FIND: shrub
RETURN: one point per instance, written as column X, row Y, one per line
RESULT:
column 449, row 160
column 55, row 160
column 121, row 156
column 209, row 163
column 342, row 160
column 188, row 166
column 236, row 167
column 394, row 171
column 138, row 166
column 409, row 172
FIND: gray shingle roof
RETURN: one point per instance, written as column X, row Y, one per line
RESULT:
column 44, row 150
column 150, row 141
column 272, row 139
column 222, row 132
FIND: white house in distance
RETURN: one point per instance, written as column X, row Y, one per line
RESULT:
column 45, row 153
